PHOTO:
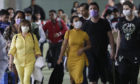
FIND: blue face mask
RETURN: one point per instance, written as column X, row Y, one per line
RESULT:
column 93, row 13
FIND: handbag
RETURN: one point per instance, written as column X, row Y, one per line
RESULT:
column 40, row 62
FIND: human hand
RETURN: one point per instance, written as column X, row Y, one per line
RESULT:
column 59, row 61
column 56, row 35
column 80, row 51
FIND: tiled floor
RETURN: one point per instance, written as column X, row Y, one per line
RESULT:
column 47, row 72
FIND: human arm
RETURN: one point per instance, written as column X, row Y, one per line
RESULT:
column 117, row 44
column 111, row 41
column 88, row 45
column 62, row 31
column 12, row 52
column 63, row 47
column 36, row 47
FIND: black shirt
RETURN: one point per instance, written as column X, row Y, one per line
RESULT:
column 130, row 36
column 83, row 20
column 98, row 35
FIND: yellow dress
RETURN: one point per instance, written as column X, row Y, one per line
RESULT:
column 75, row 63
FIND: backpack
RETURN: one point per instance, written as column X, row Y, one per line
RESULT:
column 61, row 27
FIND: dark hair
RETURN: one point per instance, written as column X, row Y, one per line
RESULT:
column 10, row 9
column 54, row 11
column 24, row 22
column 131, row 5
column 17, row 12
column 95, row 4
column 61, row 10
column 3, row 12
column 85, row 5
column 107, row 12
column 75, row 3
column 28, row 10
column 34, row 15
column 115, row 10
column 71, row 20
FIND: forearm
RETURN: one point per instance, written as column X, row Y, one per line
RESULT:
column 87, row 47
column 63, row 48
column 118, row 44
column 11, row 59
column 111, row 41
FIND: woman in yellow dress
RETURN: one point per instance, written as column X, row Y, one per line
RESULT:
column 75, row 40
column 24, row 50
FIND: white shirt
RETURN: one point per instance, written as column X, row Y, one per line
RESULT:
column 41, row 32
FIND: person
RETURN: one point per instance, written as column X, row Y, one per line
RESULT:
column 100, row 35
column 84, row 8
column 75, row 6
column 60, row 12
column 4, row 20
column 35, row 28
column 12, row 29
column 11, row 12
column 24, row 50
column 55, row 32
column 75, row 40
column 89, row 1
column 34, row 7
column 120, row 7
column 3, row 56
column 66, row 20
column 37, row 19
column 110, row 5
column 127, row 52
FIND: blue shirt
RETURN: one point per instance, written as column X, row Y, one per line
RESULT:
column 3, row 26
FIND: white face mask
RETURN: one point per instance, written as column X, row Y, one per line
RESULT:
column 29, row 18
column 25, row 29
column 79, row 15
column 111, row 17
column 126, row 12
column 78, row 24
column 122, row 1
column 58, row 19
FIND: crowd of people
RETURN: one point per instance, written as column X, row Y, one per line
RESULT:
column 95, row 45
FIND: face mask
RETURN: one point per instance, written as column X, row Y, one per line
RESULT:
column 58, row 19
column 135, row 13
column 79, row 15
column 29, row 18
column 55, row 16
column 93, row 13
column 18, row 21
column 122, row 1
column 25, row 29
column 111, row 17
column 78, row 24
column 126, row 12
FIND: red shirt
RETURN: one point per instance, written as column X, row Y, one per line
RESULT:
column 54, row 28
